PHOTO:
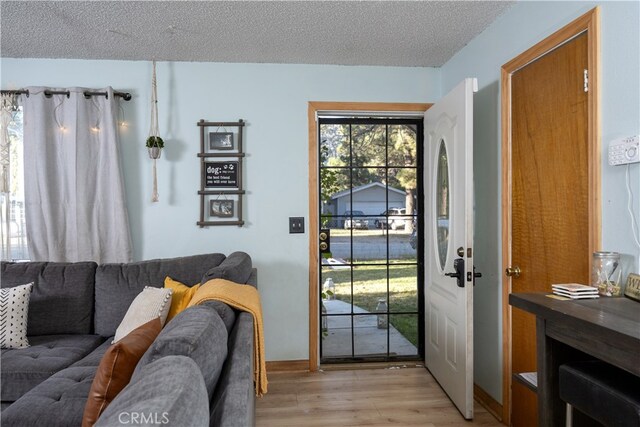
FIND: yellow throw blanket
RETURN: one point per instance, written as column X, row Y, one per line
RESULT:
column 244, row 298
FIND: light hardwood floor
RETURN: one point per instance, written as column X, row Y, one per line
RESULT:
column 361, row 397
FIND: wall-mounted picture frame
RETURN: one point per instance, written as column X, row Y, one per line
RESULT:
column 221, row 140
column 221, row 208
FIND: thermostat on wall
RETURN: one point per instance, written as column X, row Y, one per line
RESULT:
column 624, row 150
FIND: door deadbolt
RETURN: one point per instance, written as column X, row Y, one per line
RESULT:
column 513, row 271
column 460, row 252
column 325, row 240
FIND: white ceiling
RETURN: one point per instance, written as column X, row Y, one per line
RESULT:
column 392, row 33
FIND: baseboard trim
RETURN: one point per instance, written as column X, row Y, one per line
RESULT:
column 488, row 402
column 288, row 365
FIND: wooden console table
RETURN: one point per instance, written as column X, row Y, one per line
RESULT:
column 605, row 328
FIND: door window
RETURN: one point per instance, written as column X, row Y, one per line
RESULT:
column 442, row 205
column 371, row 199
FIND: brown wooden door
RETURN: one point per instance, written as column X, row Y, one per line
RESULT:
column 550, row 200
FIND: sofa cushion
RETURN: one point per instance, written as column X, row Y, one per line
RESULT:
column 118, row 284
column 14, row 310
column 57, row 402
column 169, row 391
column 197, row 332
column 62, row 297
column 236, row 268
column 180, row 297
column 233, row 403
column 226, row 313
column 23, row 369
column 116, row 368
column 152, row 303
column 95, row 357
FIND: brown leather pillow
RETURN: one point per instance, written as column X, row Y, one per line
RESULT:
column 116, row 367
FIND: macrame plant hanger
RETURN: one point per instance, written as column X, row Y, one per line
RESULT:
column 154, row 142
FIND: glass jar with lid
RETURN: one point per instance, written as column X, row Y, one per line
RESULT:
column 605, row 273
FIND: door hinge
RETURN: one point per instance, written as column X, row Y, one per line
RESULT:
column 586, row 80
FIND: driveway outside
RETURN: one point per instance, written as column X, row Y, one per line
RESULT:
column 372, row 245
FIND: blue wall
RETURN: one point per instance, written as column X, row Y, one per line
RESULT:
column 273, row 100
column 522, row 26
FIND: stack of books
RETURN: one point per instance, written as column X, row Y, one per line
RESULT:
column 575, row 291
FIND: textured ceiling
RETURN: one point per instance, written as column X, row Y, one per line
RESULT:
column 396, row 33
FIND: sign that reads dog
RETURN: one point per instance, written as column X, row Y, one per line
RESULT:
column 221, row 174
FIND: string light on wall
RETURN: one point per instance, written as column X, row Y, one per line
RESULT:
column 61, row 126
column 94, row 102
column 122, row 122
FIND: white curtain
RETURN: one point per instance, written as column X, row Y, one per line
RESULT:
column 7, row 107
column 74, row 190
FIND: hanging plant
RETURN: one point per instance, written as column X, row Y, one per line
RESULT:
column 155, row 144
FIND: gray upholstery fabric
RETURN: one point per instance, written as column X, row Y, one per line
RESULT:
column 236, row 268
column 169, row 391
column 233, row 403
column 94, row 358
column 62, row 297
column 226, row 313
column 23, row 369
column 197, row 332
column 253, row 278
column 118, row 284
column 57, row 402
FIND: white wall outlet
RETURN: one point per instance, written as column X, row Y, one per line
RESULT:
column 624, row 150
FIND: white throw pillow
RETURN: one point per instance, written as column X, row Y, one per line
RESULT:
column 14, row 310
column 149, row 304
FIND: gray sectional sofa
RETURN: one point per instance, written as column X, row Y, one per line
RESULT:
column 198, row 371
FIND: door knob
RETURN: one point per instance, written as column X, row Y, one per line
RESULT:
column 513, row 271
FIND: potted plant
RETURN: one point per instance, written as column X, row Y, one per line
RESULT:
column 155, row 144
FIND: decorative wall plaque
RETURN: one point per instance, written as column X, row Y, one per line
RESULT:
column 221, row 191
column 221, row 174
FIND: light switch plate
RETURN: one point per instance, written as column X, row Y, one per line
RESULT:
column 296, row 224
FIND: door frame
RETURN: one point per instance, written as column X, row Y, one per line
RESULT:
column 588, row 23
column 315, row 107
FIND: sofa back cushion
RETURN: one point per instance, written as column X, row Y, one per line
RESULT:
column 118, row 284
column 236, row 268
column 170, row 391
column 198, row 333
column 62, row 298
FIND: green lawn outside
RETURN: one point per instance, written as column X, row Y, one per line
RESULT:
column 370, row 284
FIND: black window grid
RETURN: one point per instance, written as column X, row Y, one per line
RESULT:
column 420, row 266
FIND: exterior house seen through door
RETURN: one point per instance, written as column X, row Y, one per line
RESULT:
column 370, row 201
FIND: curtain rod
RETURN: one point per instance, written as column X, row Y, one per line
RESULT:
column 49, row 93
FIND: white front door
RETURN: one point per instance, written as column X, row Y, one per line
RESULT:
column 448, row 184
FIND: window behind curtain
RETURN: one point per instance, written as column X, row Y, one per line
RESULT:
column 13, row 229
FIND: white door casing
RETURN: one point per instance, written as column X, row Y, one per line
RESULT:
column 448, row 130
